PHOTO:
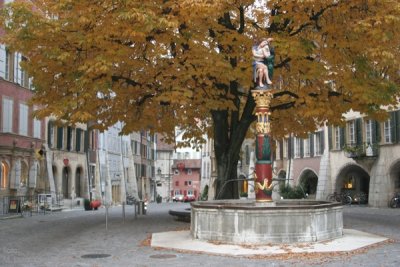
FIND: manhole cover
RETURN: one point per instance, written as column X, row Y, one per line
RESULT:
column 163, row 256
column 95, row 256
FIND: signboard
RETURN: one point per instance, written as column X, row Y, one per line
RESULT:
column 14, row 206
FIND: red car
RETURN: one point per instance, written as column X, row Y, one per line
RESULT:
column 189, row 198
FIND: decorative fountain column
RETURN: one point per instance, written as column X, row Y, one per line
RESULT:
column 260, row 222
column 263, row 171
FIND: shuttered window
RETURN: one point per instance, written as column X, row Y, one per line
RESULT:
column 8, row 105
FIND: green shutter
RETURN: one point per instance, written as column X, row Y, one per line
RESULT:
column 302, row 148
column 398, row 126
column 330, row 141
column 49, row 130
column 373, row 132
column 358, row 129
column 292, row 147
column 60, row 131
column 342, row 137
column 78, row 140
column 311, row 136
column 322, row 141
column 393, row 133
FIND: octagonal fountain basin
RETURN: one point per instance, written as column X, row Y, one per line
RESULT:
column 251, row 222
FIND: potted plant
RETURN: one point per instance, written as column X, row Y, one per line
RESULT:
column 158, row 199
column 243, row 195
column 86, row 204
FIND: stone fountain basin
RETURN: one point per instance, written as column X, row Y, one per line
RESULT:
column 251, row 222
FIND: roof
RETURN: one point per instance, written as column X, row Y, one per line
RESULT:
column 188, row 163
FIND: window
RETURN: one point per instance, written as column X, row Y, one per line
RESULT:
column 307, row 147
column 337, row 137
column 3, row 175
column 189, row 171
column 189, row 183
column 297, row 148
column 23, row 119
column 368, row 131
column 351, row 132
column 60, row 135
column 186, row 155
column 247, row 151
column 3, row 61
column 319, row 143
column 285, row 148
column 176, row 172
column 186, row 182
column 190, row 193
column 176, row 183
column 78, row 139
column 7, row 115
column 387, row 131
column 278, row 150
column 37, row 128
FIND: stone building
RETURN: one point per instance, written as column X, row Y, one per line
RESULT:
column 361, row 159
column 116, row 164
column 143, row 145
column 163, row 165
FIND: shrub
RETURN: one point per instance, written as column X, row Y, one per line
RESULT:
column 289, row 192
column 86, row 204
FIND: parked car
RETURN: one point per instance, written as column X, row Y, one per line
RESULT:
column 177, row 198
column 189, row 198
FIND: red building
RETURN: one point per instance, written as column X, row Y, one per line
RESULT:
column 21, row 135
column 186, row 177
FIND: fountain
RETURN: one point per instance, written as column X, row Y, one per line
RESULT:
column 264, row 221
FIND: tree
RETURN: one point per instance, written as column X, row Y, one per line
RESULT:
column 165, row 63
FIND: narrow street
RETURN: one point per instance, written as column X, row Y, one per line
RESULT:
column 80, row 238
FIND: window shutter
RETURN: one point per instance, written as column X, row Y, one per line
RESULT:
column 342, row 137
column 86, row 141
column 78, row 140
column 49, row 130
column 3, row 56
column 281, row 149
column 311, row 136
column 398, row 125
column 302, row 148
column 322, row 141
column 393, row 133
column 377, row 131
column 69, row 136
column 358, row 126
column 291, row 147
column 60, row 131
column 373, row 131
column 330, row 137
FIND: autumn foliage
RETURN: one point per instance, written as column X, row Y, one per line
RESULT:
column 165, row 63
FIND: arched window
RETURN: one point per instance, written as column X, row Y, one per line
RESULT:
column 4, row 175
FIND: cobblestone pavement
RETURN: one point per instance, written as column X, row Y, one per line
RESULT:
column 79, row 238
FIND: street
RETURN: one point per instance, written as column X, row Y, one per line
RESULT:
column 80, row 238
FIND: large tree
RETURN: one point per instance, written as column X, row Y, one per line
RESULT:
column 158, row 64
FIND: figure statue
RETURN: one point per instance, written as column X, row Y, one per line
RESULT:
column 263, row 64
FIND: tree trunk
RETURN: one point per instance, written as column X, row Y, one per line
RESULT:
column 228, row 139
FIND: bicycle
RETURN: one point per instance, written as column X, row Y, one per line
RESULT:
column 361, row 198
column 395, row 201
column 345, row 199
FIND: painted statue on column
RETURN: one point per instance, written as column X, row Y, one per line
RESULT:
column 263, row 63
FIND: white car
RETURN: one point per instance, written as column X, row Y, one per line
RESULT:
column 177, row 198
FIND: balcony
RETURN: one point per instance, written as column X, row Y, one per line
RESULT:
column 365, row 150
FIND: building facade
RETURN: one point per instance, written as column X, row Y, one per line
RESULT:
column 22, row 137
column 143, row 145
column 362, row 158
column 163, row 165
column 186, row 177
column 116, row 165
